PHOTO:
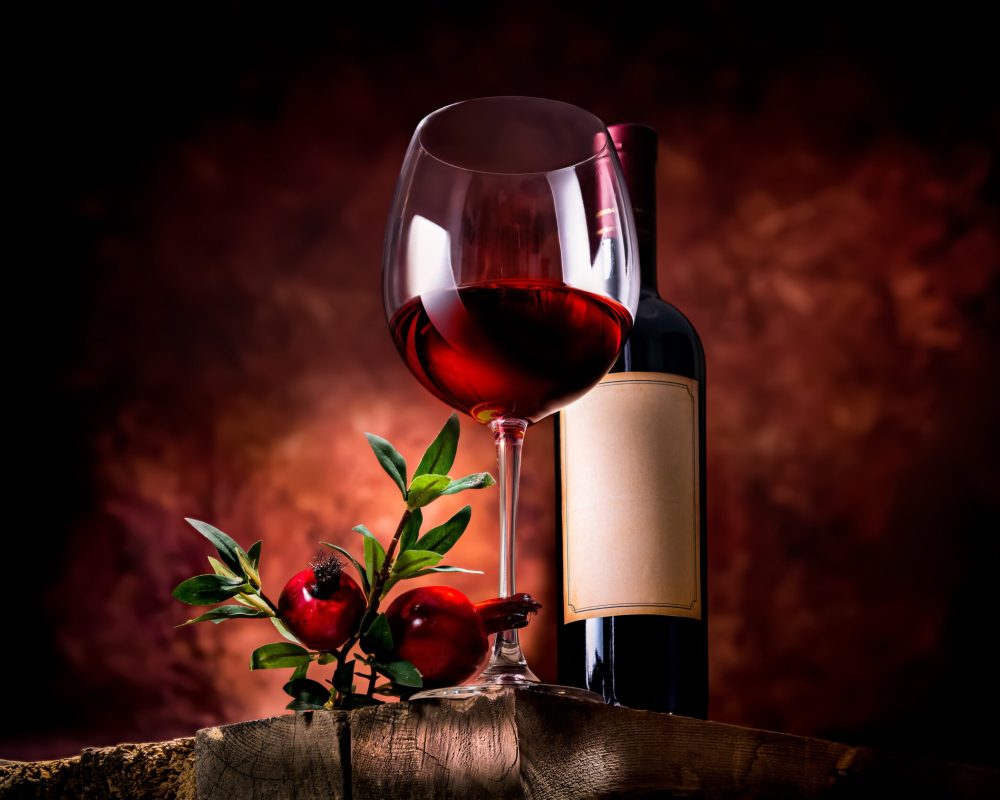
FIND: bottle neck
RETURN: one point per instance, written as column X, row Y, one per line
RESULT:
column 640, row 177
column 647, row 265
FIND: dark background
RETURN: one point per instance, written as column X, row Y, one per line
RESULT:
column 196, row 330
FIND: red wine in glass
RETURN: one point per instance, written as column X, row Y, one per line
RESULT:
column 520, row 348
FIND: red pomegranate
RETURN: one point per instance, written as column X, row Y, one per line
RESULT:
column 322, row 605
column 440, row 631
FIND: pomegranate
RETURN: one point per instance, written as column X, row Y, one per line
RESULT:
column 322, row 605
column 440, row 631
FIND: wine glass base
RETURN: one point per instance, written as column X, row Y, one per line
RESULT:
column 497, row 688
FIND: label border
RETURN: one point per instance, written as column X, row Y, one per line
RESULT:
column 661, row 378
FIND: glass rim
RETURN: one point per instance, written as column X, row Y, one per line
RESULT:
column 601, row 128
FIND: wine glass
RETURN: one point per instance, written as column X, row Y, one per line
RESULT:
column 510, row 281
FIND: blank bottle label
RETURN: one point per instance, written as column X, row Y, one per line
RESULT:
column 630, row 498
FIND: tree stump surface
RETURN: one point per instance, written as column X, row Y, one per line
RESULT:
column 299, row 755
column 513, row 745
column 437, row 748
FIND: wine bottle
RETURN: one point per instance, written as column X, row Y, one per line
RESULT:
column 630, row 461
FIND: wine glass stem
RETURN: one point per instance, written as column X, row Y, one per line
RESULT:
column 507, row 664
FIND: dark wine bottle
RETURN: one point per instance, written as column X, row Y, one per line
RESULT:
column 630, row 461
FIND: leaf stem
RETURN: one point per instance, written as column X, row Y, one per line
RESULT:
column 383, row 574
column 270, row 605
column 375, row 598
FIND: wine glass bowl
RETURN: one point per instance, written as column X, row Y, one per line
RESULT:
column 510, row 349
column 510, row 278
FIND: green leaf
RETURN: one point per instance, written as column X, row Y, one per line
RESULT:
column 411, row 564
column 354, row 561
column 478, row 480
column 300, row 671
column 283, row 630
column 343, row 677
column 413, row 561
column 363, row 530
column 443, row 537
column 249, row 569
column 439, row 457
column 402, row 673
column 308, row 692
column 367, row 619
column 254, row 553
column 221, row 569
column 444, row 568
column 355, row 700
column 411, row 530
column 222, row 613
column 305, row 705
column 374, row 553
column 374, row 559
column 202, row 590
column 378, row 637
column 426, row 489
column 326, row 658
column 390, row 459
column 225, row 544
column 278, row 655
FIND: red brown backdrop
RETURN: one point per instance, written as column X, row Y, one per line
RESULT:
column 207, row 199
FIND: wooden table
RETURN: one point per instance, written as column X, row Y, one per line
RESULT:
column 510, row 746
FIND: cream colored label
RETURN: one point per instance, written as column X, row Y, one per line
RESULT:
column 630, row 498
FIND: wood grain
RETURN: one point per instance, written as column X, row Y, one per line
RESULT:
column 299, row 755
column 436, row 749
column 571, row 749
column 521, row 745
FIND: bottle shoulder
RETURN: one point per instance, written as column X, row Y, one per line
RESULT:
column 662, row 340
column 656, row 314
